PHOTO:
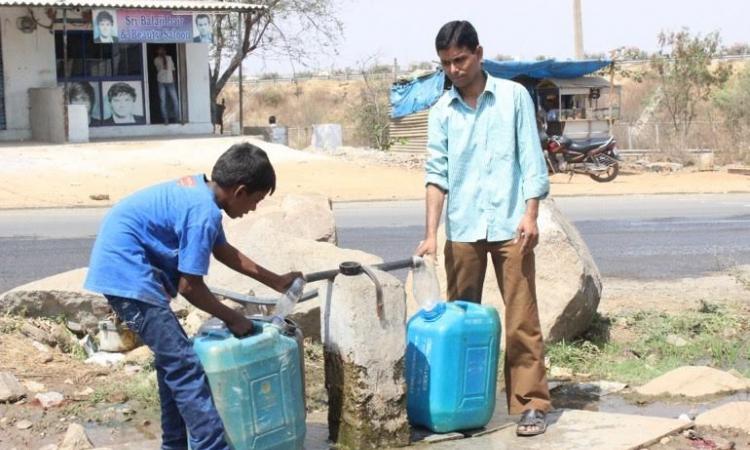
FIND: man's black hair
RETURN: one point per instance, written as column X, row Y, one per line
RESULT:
column 121, row 88
column 202, row 16
column 247, row 165
column 78, row 89
column 104, row 15
column 459, row 34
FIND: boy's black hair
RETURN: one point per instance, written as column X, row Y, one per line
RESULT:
column 247, row 165
column 121, row 88
column 202, row 16
column 78, row 89
column 459, row 34
column 104, row 15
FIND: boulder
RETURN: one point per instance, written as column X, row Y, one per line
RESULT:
column 283, row 253
column 693, row 381
column 49, row 399
column 10, row 389
column 568, row 282
column 304, row 216
column 735, row 415
column 58, row 295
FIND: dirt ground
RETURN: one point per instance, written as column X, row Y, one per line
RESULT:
column 100, row 173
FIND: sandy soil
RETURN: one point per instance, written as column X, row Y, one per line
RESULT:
column 70, row 175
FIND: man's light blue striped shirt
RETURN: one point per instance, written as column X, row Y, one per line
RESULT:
column 488, row 159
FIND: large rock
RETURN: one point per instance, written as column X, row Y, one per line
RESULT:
column 282, row 253
column 76, row 438
column 303, row 216
column 568, row 283
column 734, row 415
column 693, row 381
column 364, row 363
column 58, row 295
column 10, row 389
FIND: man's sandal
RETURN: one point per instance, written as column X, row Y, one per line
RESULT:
column 533, row 422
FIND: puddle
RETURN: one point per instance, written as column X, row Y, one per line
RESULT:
column 573, row 396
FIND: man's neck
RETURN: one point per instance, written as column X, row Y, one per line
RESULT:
column 471, row 92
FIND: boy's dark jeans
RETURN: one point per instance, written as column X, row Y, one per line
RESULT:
column 186, row 401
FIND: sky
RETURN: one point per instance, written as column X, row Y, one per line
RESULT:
column 523, row 29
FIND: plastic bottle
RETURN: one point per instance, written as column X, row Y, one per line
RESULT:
column 425, row 286
column 288, row 300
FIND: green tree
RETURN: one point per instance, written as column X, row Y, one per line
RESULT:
column 687, row 75
column 372, row 113
column 295, row 29
column 734, row 101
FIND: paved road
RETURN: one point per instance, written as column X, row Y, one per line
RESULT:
column 661, row 236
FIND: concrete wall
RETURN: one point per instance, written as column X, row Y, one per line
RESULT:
column 47, row 106
column 199, row 102
column 28, row 62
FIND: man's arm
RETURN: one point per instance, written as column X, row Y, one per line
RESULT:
column 534, row 176
column 196, row 292
column 234, row 259
column 436, row 178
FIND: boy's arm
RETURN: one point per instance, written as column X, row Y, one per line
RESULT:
column 234, row 259
column 196, row 292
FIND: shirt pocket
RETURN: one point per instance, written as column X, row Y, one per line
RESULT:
column 501, row 139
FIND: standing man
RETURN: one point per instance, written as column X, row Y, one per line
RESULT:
column 485, row 156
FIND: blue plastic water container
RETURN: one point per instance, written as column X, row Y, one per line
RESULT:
column 451, row 366
column 257, row 386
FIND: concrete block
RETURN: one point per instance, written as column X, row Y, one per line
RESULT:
column 364, row 362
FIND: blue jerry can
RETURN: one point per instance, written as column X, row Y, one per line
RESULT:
column 451, row 366
column 256, row 383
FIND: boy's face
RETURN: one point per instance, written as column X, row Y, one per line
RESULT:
column 243, row 202
column 122, row 105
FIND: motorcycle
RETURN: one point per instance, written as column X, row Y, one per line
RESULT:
column 596, row 158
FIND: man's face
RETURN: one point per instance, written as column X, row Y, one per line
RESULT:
column 105, row 28
column 82, row 99
column 122, row 105
column 204, row 26
column 461, row 65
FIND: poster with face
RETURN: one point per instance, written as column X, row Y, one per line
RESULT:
column 123, row 103
column 86, row 93
column 203, row 28
column 105, row 26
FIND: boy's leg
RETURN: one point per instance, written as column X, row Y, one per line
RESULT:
column 174, row 431
column 525, row 375
column 183, row 376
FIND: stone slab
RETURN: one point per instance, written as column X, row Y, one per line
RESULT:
column 574, row 429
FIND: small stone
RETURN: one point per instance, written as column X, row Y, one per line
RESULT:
column 118, row 397
column 677, row 341
column 99, row 197
column 83, row 394
column 49, row 399
column 41, row 347
column 68, row 381
column 24, row 424
column 76, row 328
column 560, row 373
column 105, row 359
column 36, row 333
column 34, row 386
column 50, row 447
column 665, row 440
column 76, row 438
column 684, row 418
column 46, row 358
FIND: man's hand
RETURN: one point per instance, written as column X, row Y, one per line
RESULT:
column 528, row 233
column 240, row 326
column 427, row 247
column 284, row 281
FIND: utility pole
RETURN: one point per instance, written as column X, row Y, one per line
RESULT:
column 578, row 28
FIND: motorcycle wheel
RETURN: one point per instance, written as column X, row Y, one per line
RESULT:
column 609, row 175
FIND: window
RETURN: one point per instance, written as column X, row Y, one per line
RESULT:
column 94, row 71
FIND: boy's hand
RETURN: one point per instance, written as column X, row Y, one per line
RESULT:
column 240, row 326
column 286, row 280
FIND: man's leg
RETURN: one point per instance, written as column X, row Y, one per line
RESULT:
column 172, row 88
column 465, row 264
column 163, row 103
column 182, row 376
column 525, row 375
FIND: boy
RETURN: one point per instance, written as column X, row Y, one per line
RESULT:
column 158, row 242
column 122, row 98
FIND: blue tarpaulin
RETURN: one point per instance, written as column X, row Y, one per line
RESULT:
column 421, row 93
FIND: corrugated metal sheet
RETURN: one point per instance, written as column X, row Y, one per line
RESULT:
column 582, row 82
column 409, row 133
column 181, row 5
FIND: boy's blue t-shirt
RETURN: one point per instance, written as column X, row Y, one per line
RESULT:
column 152, row 236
